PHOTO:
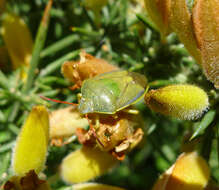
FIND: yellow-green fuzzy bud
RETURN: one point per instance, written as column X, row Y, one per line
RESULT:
column 95, row 186
column 180, row 101
column 85, row 164
column 31, row 145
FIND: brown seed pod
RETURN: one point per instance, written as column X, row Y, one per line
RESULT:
column 87, row 67
column 206, row 27
column 116, row 133
column 181, row 23
column 159, row 11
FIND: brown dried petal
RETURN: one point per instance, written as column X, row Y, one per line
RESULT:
column 29, row 182
column 158, row 10
column 87, row 67
column 181, row 23
column 206, row 27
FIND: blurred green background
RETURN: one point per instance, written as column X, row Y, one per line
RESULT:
column 124, row 36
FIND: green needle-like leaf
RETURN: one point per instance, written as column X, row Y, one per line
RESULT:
column 67, row 41
column 206, row 121
column 57, row 64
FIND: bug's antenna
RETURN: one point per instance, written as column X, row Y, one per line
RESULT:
column 58, row 101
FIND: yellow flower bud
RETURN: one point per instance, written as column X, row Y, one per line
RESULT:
column 85, row 164
column 180, row 101
column 190, row 172
column 31, row 145
column 17, row 39
column 64, row 122
column 95, row 186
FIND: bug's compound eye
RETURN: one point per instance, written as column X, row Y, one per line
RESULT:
column 85, row 106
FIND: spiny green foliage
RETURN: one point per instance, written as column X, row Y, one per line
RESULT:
column 133, row 44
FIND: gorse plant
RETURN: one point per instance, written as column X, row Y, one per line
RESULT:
column 141, row 105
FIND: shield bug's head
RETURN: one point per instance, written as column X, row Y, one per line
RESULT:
column 85, row 106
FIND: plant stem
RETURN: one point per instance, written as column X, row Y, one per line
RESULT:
column 38, row 46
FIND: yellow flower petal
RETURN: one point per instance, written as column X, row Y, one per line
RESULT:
column 31, row 145
column 95, row 186
column 190, row 172
column 180, row 101
column 18, row 40
column 85, row 164
column 163, row 179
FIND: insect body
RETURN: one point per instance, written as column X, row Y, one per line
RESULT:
column 111, row 92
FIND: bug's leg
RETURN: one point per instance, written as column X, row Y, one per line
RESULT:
column 56, row 142
column 118, row 155
column 97, row 122
column 92, row 129
column 74, row 87
column 70, row 139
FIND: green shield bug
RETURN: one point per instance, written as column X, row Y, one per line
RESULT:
column 111, row 92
